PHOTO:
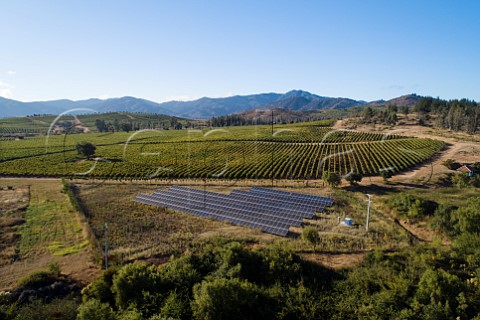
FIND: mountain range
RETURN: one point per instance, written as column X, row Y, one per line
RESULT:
column 197, row 109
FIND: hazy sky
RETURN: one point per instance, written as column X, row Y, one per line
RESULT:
column 163, row 50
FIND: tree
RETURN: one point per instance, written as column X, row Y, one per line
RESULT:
column 442, row 219
column 230, row 299
column 368, row 114
column 175, row 307
column 101, row 125
column 354, row 178
column 331, row 178
column 125, row 126
column 86, row 149
column 116, row 125
column 438, row 293
column 386, row 174
column 310, row 234
column 461, row 179
column 467, row 217
column 95, row 310
column 137, row 285
column 100, row 288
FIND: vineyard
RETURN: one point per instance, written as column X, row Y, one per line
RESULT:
column 41, row 124
column 295, row 151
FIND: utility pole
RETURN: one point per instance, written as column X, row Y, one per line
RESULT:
column 368, row 211
column 106, row 245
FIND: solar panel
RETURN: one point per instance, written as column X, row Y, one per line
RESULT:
column 199, row 201
column 269, row 210
column 262, row 206
column 294, row 195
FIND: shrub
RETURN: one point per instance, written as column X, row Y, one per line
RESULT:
column 461, row 180
column 36, row 279
column 451, row 164
column 230, row 299
column 54, row 268
column 99, row 289
column 65, row 309
column 354, row 178
column 86, row 149
column 331, row 178
column 386, row 174
column 95, row 310
column 442, row 219
column 412, row 206
column 137, row 285
column 310, row 234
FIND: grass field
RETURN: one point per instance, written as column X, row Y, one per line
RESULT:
column 137, row 231
column 51, row 230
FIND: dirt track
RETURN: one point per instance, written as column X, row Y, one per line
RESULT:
column 460, row 147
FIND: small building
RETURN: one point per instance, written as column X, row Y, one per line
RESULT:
column 467, row 168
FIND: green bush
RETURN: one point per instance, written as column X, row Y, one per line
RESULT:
column 461, row 180
column 100, row 288
column 176, row 307
column 138, row 285
column 230, row 299
column 95, row 310
column 310, row 235
column 412, row 206
column 442, row 220
column 331, row 178
column 36, row 279
column 64, row 309
column 354, row 178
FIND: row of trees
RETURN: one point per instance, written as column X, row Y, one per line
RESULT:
column 384, row 116
column 456, row 115
column 131, row 125
column 279, row 116
column 333, row 179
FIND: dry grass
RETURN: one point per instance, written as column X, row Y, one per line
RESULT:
column 140, row 231
column 52, row 232
column 335, row 261
column 13, row 202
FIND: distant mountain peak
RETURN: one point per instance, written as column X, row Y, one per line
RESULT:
column 204, row 107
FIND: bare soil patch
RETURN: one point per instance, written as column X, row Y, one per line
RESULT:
column 78, row 124
column 13, row 200
column 336, row 261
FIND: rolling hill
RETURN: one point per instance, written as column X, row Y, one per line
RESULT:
column 197, row 109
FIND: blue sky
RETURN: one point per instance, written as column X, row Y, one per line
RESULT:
column 163, row 50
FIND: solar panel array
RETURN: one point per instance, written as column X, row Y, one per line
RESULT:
column 269, row 210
